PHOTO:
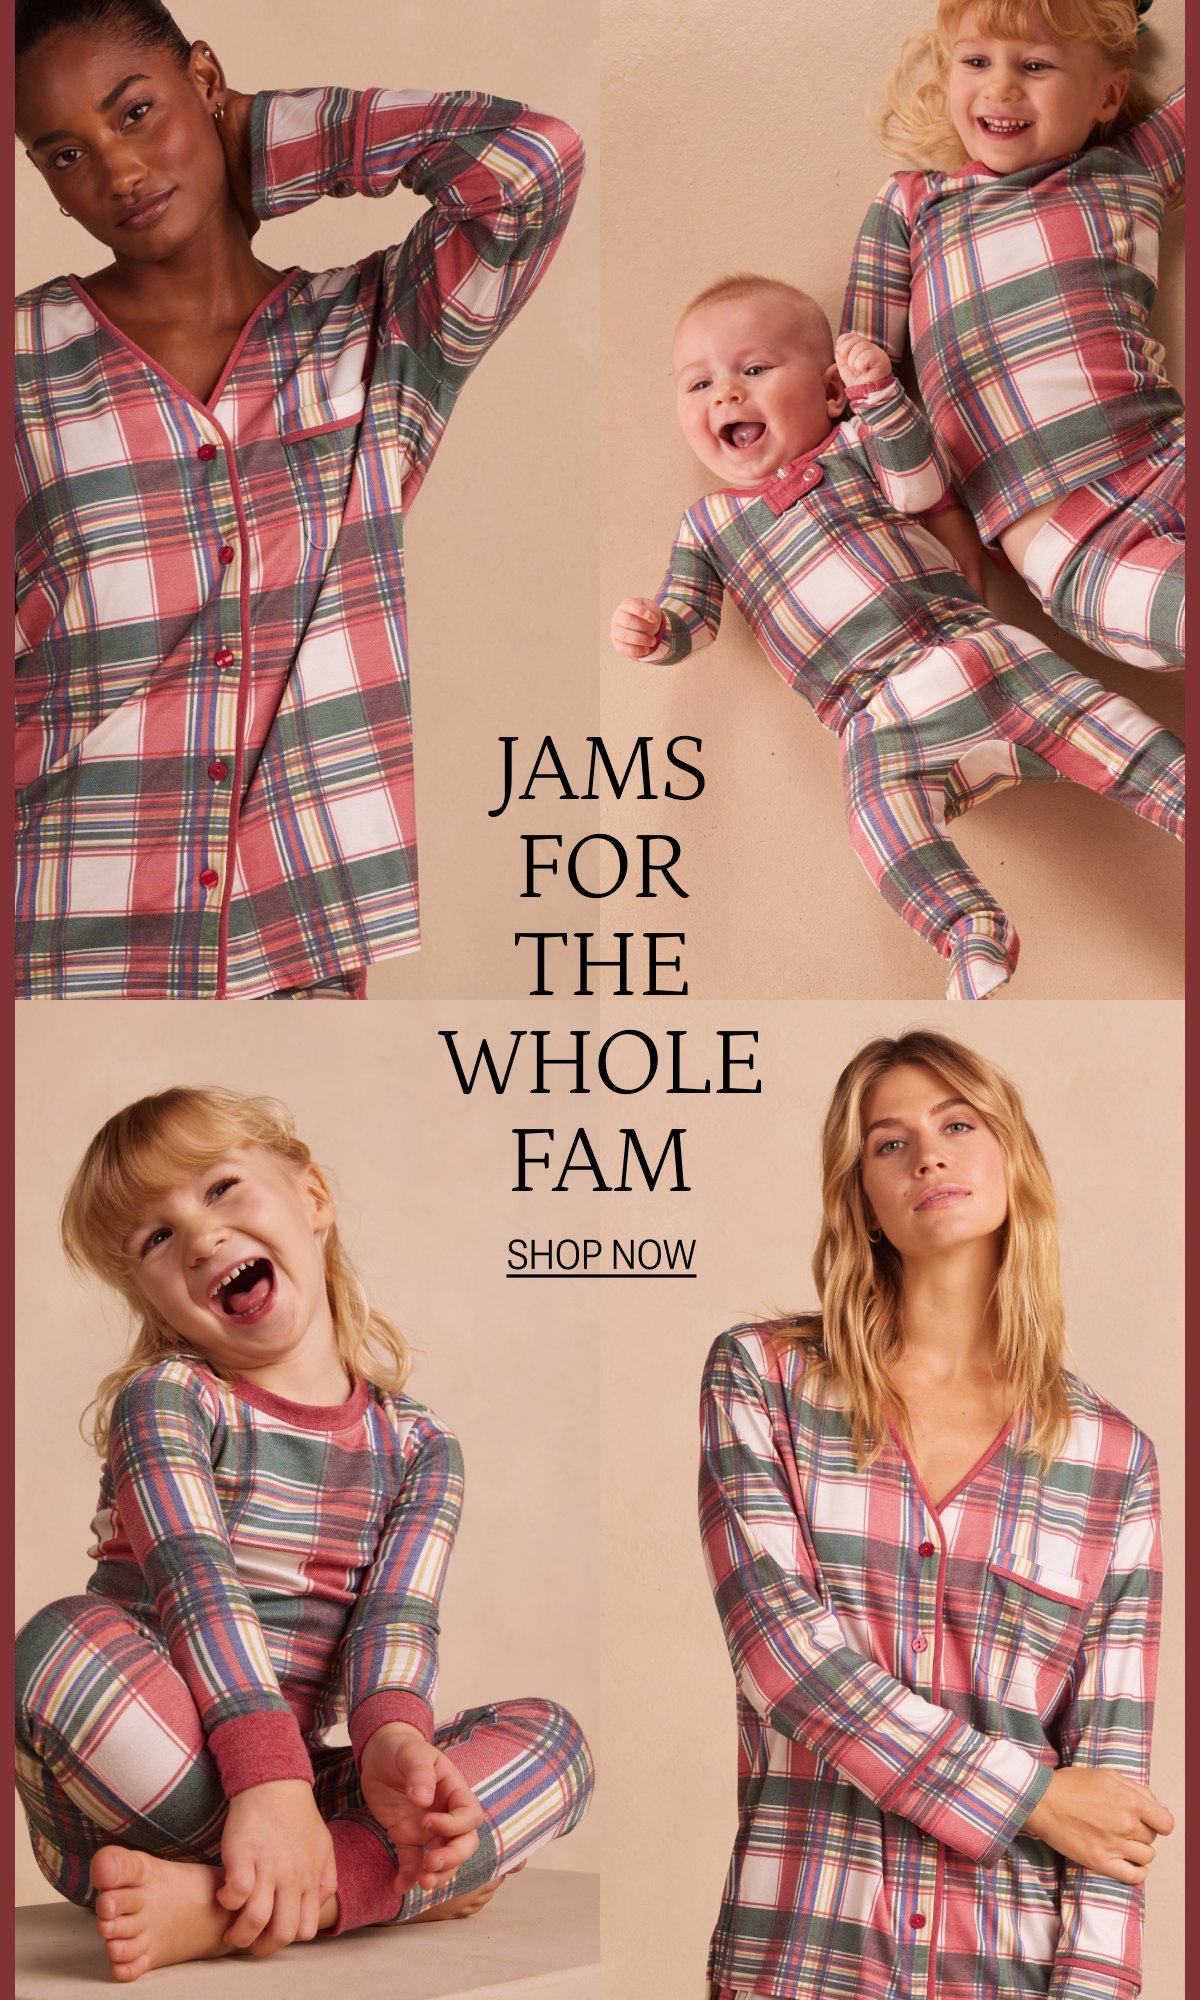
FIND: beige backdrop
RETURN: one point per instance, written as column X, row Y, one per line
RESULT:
column 746, row 144
column 711, row 147
column 1102, row 1087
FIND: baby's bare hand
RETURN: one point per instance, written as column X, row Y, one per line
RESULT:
column 860, row 361
column 637, row 627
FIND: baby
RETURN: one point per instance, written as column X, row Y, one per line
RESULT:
column 813, row 532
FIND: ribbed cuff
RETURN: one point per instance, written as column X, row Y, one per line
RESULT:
column 390, row 1705
column 366, row 1877
column 258, row 1749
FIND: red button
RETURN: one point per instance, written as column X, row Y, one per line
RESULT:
column 917, row 1921
column 217, row 770
column 207, row 451
column 224, row 658
column 209, row 878
column 225, row 554
column 925, row 1548
column 919, row 1643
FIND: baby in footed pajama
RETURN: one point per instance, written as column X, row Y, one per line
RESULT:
column 814, row 532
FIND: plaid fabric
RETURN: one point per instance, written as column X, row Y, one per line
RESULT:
column 214, row 751
column 936, row 704
column 289, row 1559
column 1109, row 563
column 908, row 1676
column 1027, row 299
column 110, row 1747
column 964, row 722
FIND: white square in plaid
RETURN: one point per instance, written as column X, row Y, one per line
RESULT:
column 122, row 590
column 364, row 823
column 1005, row 252
column 841, row 1506
column 276, row 1568
column 987, row 764
column 119, row 735
column 1143, row 239
column 92, row 442
column 832, row 589
column 139, row 1756
column 324, row 667
column 760, row 1882
column 1056, row 391
column 100, row 884
column 1126, row 598
column 937, row 679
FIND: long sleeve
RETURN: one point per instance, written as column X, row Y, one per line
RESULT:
column 1108, row 1723
column 690, row 595
column 501, row 181
column 900, row 448
column 160, row 1455
column 389, row 1653
column 912, row 1757
column 1158, row 144
column 880, row 284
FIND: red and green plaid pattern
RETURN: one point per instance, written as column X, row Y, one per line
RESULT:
column 908, row 1677
column 1027, row 299
column 290, row 1558
column 214, row 750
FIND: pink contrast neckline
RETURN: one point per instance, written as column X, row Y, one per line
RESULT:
column 306, row 1416
column 164, row 374
column 789, row 465
column 935, row 1507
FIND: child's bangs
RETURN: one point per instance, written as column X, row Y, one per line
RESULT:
column 141, row 1153
column 1110, row 24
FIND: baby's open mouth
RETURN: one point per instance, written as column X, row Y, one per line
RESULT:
column 245, row 1290
column 740, row 437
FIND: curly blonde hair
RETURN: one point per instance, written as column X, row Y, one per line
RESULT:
column 149, row 1147
column 860, row 1282
column 917, row 124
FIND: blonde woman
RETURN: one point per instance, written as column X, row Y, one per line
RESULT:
column 936, row 1557
column 275, row 1521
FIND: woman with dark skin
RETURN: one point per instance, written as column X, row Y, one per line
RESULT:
column 214, row 745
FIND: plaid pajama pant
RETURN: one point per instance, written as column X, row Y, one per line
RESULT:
column 965, row 720
column 1108, row 565
column 110, row 1749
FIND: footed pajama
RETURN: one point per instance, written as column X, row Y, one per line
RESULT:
column 935, row 704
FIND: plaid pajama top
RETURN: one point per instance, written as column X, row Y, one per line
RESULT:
column 1027, row 298
column 837, row 586
column 289, row 1558
column 214, row 752
column 908, row 1677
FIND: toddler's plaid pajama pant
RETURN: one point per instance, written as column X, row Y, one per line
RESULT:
column 1108, row 564
column 959, row 723
column 110, row 1749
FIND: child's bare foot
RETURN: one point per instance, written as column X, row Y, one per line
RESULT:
column 151, row 1912
column 468, row 1904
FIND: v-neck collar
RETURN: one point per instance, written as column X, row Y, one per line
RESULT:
column 207, row 404
column 936, row 1507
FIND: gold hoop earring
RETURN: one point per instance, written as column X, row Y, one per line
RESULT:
column 874, row 1236
column 218, row 114
column 62, row 210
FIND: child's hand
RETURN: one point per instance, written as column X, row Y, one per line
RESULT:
column 424, row 1805
column 860, row 361
column 637, row 627
column 279, row 1866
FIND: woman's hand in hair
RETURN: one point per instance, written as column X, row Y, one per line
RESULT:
column 234, row 132
column 1100, row 1819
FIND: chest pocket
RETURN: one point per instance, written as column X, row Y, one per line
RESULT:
column 320, row 459
column 1040, row 1613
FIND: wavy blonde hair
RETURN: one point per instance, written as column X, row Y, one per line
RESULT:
column 916, row 123
column 149, row 1147
column 860, row 1283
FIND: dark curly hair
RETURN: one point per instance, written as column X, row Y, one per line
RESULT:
column 144, row 21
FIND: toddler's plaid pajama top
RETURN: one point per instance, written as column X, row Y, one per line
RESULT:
column 909, row 1675
column 214, row 752
column 291, row 1559
column 1027, row 298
